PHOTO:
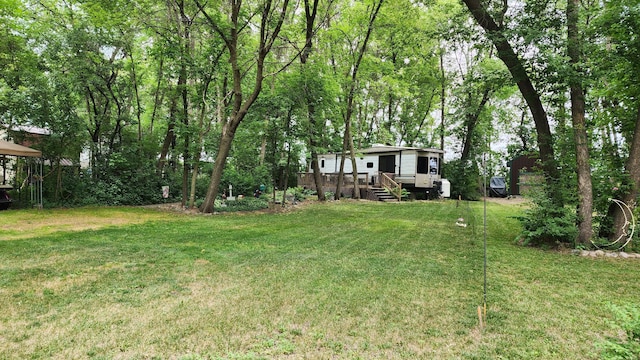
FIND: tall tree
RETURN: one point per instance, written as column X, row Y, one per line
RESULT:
column 401, row 86
column 311, row 13
column 497, row 35
column 272, row 14
column 357, row 49
column 87, row 41
column 585, row 191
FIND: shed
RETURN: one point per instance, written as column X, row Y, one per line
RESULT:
column 519, row 168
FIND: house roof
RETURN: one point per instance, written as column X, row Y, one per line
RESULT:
column 385, row 148
column 9, row 148
column 379, row 149
column 30, row 129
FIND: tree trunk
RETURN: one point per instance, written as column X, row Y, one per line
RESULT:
column 313, row 145
column 185, row 54
column 156, row 96
column 218, row 168
column 134, row 83
column 286, row 177
column 343, row 157
column 529, row 93
column 202, row 131
column 287, row 133
column 585, row 192
column 443, row 85
column 352, row 151
column 169, row 136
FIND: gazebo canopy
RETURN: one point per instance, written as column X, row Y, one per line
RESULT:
column 8, row 148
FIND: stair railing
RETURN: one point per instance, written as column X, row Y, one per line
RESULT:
column 393, row 187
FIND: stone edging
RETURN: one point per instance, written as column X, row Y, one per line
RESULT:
column 606, row 254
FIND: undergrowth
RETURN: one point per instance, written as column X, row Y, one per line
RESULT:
column 627, row 346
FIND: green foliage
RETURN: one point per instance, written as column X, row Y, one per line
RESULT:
column 299, row 193
column 544, row 223
column 627, row 319
column 244, row 204
column 244, row 181
column 107, row 74
column 464, row 178
column 127, row 180
column 607, row 184
column 404, row 193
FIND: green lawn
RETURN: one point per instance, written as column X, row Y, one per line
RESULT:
column 348, row 280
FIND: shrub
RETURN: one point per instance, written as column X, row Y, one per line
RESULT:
column 464, row 178
column 245, row 204
column 243, row 181
column 299, row 193
column 126, row 179
column 627, row 319
column 544, row 223
column 404, row 193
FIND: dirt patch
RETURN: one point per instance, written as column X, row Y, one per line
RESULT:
column 510, row 200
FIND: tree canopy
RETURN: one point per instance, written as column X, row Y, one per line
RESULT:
column 202, row 95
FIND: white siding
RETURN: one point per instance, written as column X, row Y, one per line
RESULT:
column 332, row 164
column 408, row 163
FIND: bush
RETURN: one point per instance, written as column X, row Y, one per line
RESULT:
column 243, row 181
column 627, row 319
column 299, row 193
column 544, row 223
column 244, row 204
column 404, row 193
column 464, row 178
column 127, row 179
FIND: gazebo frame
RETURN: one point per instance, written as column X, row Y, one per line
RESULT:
column 35, row 171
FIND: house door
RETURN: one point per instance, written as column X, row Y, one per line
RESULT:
column 387, row 164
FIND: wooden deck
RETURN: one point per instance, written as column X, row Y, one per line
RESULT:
column 369, row 186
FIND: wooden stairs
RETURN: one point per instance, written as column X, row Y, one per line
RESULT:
column 383, row 195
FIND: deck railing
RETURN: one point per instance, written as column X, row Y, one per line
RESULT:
column 391, row 185
column 331, row 180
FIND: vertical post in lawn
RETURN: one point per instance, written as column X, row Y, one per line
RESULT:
column 484, row 292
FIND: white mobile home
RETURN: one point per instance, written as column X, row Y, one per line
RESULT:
column 417, row 169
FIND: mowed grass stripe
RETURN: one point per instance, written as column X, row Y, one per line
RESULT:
column 340, row 280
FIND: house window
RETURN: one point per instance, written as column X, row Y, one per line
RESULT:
column 433, row 165
column 428, row 165
column 423, row 165
column 370, row 165
column 322, row 163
